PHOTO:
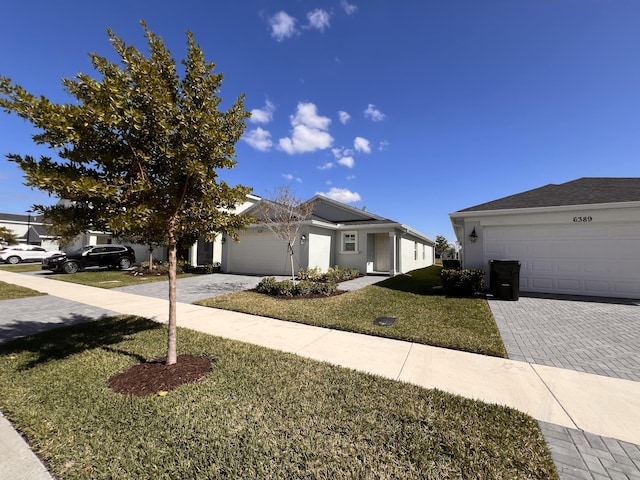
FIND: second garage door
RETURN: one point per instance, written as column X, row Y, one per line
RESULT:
column 258, row 254
column 586, row 259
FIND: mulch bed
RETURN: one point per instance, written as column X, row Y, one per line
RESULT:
column 152, row 377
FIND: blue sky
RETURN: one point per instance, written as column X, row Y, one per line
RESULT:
column 410, row 109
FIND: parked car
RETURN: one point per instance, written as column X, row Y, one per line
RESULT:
column 111, row 256
column 24, row 253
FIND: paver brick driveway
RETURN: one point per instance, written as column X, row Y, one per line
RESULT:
column 587, row 334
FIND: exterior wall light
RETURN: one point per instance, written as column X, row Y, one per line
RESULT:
column 473, row 236
column 303, row 239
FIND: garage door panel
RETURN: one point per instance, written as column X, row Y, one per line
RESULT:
column 496, row 249
column 602, row 260
column 260, row 254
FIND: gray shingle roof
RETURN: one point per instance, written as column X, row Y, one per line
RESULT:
column 583, row 191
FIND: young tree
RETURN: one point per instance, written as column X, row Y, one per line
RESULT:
column 442, row 245
column 138, row 151
column 283, row 214
column 7, row 236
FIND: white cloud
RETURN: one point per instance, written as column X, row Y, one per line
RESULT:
column 383, row 145
column 344, row 117
column 309, row 131
column 283, row 26
column 341, row 195
column 361, row 145
column 264, row 114
column 289, row 177
column 351, row 177
column 318, row 19
column 347, row 7
column 326, row 166
column 259, row 139
column 342, row 152
column 347, row 162
column 373, row 113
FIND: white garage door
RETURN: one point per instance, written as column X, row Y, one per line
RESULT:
column 258, row 253
column 581, row 259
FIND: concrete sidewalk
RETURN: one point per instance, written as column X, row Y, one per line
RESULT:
column 607, row 407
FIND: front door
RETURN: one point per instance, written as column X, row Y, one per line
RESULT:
column 382, row 253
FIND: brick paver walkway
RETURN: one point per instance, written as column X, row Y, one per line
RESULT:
column 590, row 335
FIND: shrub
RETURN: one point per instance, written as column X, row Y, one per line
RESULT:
column 451, row 264
column 310, row 274
column 334, row 274
column 287, row 288
column 463, row 283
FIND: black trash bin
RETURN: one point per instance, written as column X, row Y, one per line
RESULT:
column 504, row 279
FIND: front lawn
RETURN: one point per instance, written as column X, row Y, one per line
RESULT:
column 9, row 291
column 458, row 323
column 259, row 414
column 22, row 268
column 110, row 278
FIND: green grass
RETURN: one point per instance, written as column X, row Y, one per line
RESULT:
column 109, row 278
column 459, row 323
column 9, row 291
column 22, row 268
column 419, row 281
column 259, row 414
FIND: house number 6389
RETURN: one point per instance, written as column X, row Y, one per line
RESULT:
column 582, row 219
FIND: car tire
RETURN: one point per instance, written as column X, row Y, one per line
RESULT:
column 124, row 263
column 71, row 267
column 13, row 260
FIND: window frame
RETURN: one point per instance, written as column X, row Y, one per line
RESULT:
column 343, row 242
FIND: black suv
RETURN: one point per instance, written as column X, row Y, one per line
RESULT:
column 114, row 256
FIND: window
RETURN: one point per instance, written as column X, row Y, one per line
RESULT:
column 424, row 251
column 349, row 241
column 415, row 250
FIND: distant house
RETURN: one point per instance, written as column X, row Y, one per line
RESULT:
column 30, row 229
column 335, row 235
column 581, row 237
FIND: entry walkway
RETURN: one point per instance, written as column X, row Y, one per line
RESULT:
column 602, row 406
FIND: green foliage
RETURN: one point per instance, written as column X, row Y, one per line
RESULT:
column 442, row 245
column 138, row 149
column 287, row 288
column 333, row 274
column 7, row 236
column 462, row 283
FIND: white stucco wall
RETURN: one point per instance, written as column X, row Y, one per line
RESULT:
column 319, row 250
column 425, row 254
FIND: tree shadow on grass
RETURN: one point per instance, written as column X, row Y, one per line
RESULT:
column 416, row 284
column 82, row 335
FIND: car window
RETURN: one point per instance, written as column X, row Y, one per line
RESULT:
column 98, row 250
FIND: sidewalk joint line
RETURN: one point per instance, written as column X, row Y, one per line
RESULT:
column 327, row 332
column 533, row 367
column 404, row 362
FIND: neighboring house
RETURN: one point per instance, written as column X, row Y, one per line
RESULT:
column 581, row 237
column 336, row 235
column 30, row 229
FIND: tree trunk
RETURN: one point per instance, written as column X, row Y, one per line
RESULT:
column 293, row 277
column 172, row 337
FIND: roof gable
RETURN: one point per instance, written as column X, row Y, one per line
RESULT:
column 583, row 191
column 335, row 212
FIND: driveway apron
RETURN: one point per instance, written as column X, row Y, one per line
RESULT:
column 586, row 334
